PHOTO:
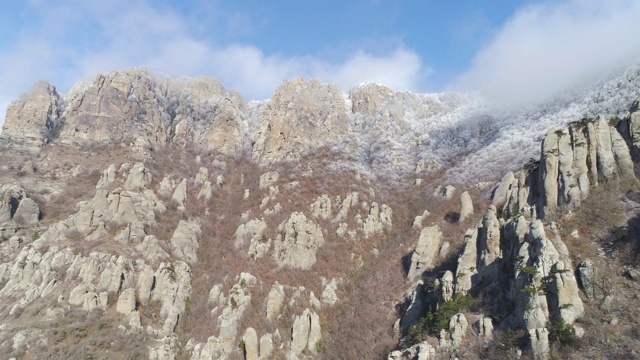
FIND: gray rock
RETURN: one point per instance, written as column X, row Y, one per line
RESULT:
column 275, row 300
column 458, row 326
column 30, row 121
column 180, row 193
column 184, row 242
column 467, row 263
column 139, row 177
column 466, row 206
column 426, row 251
column 299, row 240
column 266, row 347
column 300, row 117
column 250, row 339
column 126, row 302
column 586, row 276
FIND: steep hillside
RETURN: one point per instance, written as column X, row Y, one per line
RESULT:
column 150, row 217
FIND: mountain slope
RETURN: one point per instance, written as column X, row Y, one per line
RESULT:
column 139, row 209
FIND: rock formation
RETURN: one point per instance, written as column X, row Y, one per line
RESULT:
column 300, row 117
column 33, row 119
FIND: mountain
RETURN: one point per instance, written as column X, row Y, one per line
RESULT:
column 167, row 218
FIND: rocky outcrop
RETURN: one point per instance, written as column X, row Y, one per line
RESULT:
column 134, row 107
column 250, row 339
column 300, row 117
column 230, row 308
column 16, row 208
column 305, row 332
column 33, row 119
column 275, row 300
column 588, row 280
column 466, row 206
column 138, row 178
column 573, row 159
column 184, row 241
column 298, row 241
column 116, row 107
column 426, row 251
column 268, row 179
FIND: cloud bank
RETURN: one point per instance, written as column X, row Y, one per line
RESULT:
column 550, row 48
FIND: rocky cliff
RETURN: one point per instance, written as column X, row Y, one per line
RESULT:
column 150, row 217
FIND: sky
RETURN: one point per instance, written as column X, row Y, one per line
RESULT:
column 513, row 52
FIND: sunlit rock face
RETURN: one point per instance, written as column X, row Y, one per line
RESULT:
column 300, row 117
column 31, row 120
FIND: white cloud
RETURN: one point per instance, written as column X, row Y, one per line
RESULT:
column 548, row 48
column 98, row 36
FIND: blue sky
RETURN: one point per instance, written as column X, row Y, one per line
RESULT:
column 510, row 50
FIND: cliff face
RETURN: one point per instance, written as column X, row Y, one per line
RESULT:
column 32, row 119
column 302, row 116
column 169, row 218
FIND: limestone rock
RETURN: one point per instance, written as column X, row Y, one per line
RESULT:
column 202, row 176
column 17, row 207
column 300, row 332
column 126, row 302
column 415, row 310
column 503, row 191
column 485, row 327
column 31, row 120
column 446, row 287
column 184, row 241
column 275, row 300
column 586, row 277
column 420, row 351
column 166, row 187
column 180, row 193
column 27, row 213
column 108, row 177
column 426, row 251
column 300, row 117
column 467, row 263
column 539, row 340
column 250, row 339
column 565, row 288
column 268, row 179
column 266, row 347
column 489, row 243
column 249, row 232
column 305, row 332
column 417, row 222
column 205, row 192
column 466, row 206
column 458, row 327
column 139, row 177
column 298, row 241
column 378, row 220
column 321, row 208
column 329, row 296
